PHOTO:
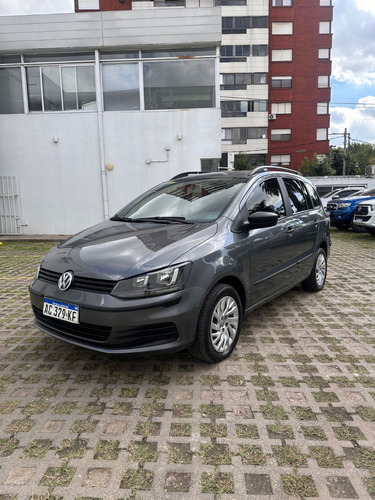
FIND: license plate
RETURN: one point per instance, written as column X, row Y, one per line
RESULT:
column 358, row 219
column 61, row 310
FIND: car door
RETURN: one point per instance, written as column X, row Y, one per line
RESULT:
column 304, row 222
column 269, row 250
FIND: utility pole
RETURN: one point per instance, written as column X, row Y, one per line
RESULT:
column 344, row 156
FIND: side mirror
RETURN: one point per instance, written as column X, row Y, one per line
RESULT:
column 259, row 220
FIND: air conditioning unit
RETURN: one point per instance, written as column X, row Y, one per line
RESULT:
column 370, row 170
column 272, row 117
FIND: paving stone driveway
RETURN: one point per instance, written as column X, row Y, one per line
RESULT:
column 290, row 415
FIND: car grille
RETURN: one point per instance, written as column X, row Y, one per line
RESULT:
column 362, row 210
column 79, row 283
column 331, row 206
column 94, row 335
column 83, row 331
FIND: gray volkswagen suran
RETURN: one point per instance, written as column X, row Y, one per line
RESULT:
column 180, row 265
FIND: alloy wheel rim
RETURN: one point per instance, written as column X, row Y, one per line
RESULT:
column 320, row 270
column 224, row 324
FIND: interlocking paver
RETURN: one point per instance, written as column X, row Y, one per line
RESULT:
column 289, row 415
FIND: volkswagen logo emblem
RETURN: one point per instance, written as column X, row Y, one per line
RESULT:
column 65, row 280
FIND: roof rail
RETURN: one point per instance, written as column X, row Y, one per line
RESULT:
column 271, row 168
column 184, row 174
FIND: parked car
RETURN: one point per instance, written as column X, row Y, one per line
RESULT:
column 180, row 265
column 341, row 211
column 340, row 193
column 364, row 215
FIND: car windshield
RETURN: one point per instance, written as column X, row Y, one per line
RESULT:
column 187, row 200
column 368, row 192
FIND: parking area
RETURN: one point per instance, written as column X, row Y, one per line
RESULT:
column 291, row 414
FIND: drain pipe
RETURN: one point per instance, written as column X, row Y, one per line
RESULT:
column 99, row 103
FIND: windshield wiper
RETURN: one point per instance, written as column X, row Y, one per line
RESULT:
column 163, row 220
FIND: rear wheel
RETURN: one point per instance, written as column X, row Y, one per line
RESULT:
column 315, row 282
column 219, row 325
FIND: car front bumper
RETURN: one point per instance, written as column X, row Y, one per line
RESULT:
column 108, row 324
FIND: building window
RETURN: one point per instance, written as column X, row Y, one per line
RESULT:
column 240, row 135
column 283, row 28
column 321, row 134
column 231, row 2
column 235, row 24
column 324, row 54
column 61, row 88
column 282, row 134
column 259, row 22
column 179, row 84
column 88, row 4
column 282, row 3
column 11, row 91
column 322, row 108
column 121, row 87
column 259, row 50
column 241, row 108
column 281, row 108
column 280, row 160
column 240, row 81
column 282, row 55
column 323, row 81
column 324, row 27
column 325, row 3
column 281, row 82
column 236, row 53
column 260, row 78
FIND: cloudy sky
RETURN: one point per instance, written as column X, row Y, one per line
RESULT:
column 353, row 57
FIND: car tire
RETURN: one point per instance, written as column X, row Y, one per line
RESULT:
column 342, row 226
column 218, row 326
column 356, row 228
column 371, row 231
column 316, row 281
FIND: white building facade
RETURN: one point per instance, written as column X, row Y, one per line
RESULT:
column 97, row 107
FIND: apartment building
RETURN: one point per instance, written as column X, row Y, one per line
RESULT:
column 275, row 67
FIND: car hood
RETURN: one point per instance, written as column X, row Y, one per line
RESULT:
column 352, row 199
column 118, row 250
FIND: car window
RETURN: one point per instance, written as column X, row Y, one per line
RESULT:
column 266, row 198
column 313, row 195
column 297, row 196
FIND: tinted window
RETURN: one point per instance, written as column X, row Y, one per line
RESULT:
column 297, row 196
column 313, row 195
column 266, row 198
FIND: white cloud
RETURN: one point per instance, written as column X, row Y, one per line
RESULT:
column 368, row 5
column 353, row 51
column 359, row 121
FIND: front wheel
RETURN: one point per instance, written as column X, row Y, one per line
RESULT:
column 219, row 325
column 315, row 282
column 356, row 228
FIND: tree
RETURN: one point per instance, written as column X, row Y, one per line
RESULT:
column 316, row 167
column 243, row 162
column 361, row 155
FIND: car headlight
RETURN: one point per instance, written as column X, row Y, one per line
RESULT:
column 343, row 205
column 168, row 280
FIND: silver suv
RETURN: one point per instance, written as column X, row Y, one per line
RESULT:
column 180, row 265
